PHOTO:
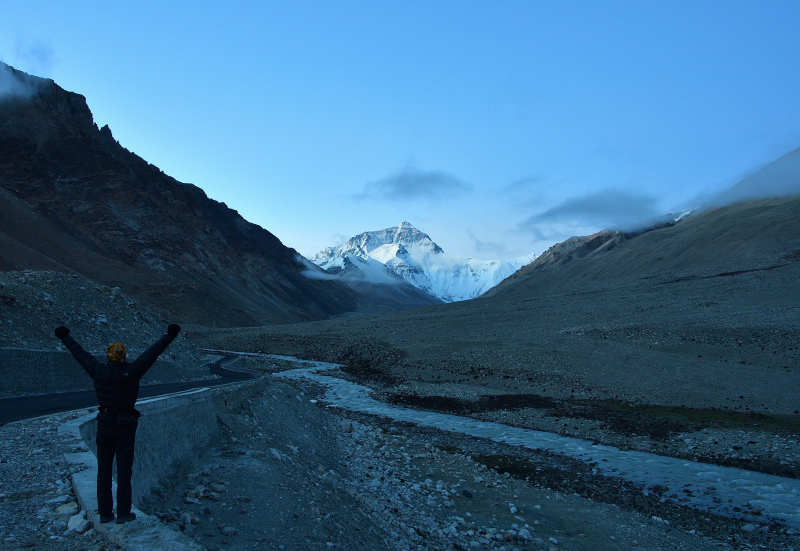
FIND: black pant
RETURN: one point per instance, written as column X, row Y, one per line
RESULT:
column 115, row 440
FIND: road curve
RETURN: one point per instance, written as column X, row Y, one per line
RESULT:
column 25, row 407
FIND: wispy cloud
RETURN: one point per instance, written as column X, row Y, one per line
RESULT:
column 412, row 184
column 366, row 270
column 525, row 184
column 600, row 209
column 34, row 56
column 487, row 247
column 14, row 83
column 776, row 179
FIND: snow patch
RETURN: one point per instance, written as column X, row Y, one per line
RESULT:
column 412, row 255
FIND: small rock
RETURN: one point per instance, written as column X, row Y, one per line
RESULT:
column 278, row 455
column 229, row 531
column 68, row 509
column 78, row 523
column 332, row 478
column 749, row 527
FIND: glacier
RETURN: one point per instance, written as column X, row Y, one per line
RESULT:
column 412, row 255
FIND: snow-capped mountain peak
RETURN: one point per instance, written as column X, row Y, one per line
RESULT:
column 415, row 257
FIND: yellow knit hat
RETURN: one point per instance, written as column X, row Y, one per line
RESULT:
column 116, row 352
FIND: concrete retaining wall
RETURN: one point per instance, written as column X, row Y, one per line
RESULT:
column 175, row 428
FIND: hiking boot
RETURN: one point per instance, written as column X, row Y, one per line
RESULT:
column 106, row 518
column 122, row 519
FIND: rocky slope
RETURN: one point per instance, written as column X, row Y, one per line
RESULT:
column 73, row 199
column 747, row 236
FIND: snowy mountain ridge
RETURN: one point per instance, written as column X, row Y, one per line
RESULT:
column 412, row 255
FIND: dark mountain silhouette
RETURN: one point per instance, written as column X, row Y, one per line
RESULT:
column 73, row 199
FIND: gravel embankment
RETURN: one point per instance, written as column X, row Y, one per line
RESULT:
column 362, row 482
column 38, row 509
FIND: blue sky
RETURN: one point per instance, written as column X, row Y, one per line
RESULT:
column 498, row 128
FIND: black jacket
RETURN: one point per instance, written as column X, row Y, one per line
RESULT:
column 117, row 383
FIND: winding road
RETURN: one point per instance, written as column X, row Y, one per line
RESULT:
column 25, row 407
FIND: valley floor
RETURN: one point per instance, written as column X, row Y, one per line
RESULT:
column 290, row 473
column 352, row 481
column 704, row 369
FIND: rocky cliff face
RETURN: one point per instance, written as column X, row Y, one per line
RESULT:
column 73, row 199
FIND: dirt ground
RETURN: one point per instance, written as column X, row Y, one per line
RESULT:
column 701, row 365
column 289, row 473
column 643, row 365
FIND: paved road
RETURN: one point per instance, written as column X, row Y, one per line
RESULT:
column 24, row 407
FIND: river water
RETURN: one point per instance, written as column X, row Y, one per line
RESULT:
column 710, row 487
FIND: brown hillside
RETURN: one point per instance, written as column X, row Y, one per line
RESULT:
column 746, row 236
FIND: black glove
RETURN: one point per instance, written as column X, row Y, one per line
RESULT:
column 173, row 330
column 61, row 332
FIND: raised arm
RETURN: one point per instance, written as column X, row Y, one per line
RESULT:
column 140, row 366
column 87, row 361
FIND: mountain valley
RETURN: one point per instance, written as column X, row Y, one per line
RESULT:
column 682, row 340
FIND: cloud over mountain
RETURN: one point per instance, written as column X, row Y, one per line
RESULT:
column 15, row 83
column 604, row 208
column 412, row 184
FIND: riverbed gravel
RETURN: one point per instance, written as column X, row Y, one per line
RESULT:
column 364, row 482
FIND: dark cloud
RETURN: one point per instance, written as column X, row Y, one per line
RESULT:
column 412, row 184
column 601, row 209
